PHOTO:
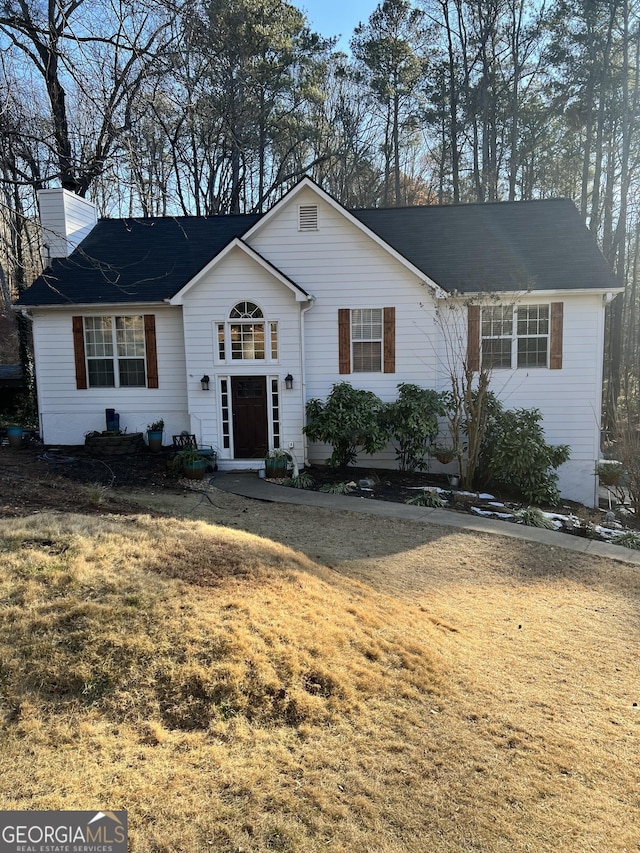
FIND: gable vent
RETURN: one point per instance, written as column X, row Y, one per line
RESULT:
column 308, row 217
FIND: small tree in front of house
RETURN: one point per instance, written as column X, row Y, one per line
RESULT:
column 468, row 370
column 349, row 420
column 412, row 423
column 469, row 376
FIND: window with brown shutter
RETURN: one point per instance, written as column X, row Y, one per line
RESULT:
column 115, row 352
column 520, row 336
column 473, row 337
column 367, row 340
column 557, row 323
column 78, row 352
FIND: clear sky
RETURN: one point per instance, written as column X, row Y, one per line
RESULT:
column 336, row 17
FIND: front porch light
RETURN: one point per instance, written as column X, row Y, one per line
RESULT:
column 288, row 382
column 205, row 382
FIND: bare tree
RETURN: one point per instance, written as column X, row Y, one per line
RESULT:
column 91, row 59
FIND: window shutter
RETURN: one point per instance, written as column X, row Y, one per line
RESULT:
column 344, row 340
column 389, row 340
column 78, row 352
column 473, row 337
column 555, row 347
column 152, row 352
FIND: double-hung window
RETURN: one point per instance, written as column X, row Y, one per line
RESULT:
column 115, row 352
column 497, row 336
column 515, row 336
column 366, row 340
column 532, row 326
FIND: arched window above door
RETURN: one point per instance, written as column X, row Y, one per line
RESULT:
column 245, row 311
column 247, row 336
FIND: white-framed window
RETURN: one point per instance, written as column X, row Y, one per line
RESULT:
column 515, row 336
column 247, row 335
column 532, row 327
column 366, row 340
column 115, row 352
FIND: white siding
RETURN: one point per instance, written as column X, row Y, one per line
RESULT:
column 67, row 414
column 235, row 279
column 343, row 268
column 570, row 398
column 66, row 220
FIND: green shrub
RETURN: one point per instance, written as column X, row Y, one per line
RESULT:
column 610, row 472
column 302, row 481
column 531, row 516
column 515, row 457
column 628, row 539
column 337, row 488
column 427, row 498
column 412, row 423
column 349, row 419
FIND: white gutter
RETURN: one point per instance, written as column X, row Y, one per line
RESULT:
column 94, row 306
column 535, row 293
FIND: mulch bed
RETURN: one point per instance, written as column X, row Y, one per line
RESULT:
column 76, row 479
column 35, row 478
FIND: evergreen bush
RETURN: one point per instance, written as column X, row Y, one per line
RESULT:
column 515, row 457
column 412, row 422
column 349, row 419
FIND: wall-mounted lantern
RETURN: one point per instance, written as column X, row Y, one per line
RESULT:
column 288, row 382
column 205, row 382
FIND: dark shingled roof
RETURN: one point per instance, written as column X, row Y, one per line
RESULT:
column 503, row 246
column 135, row 260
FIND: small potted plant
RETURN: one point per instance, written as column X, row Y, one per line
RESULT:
column 610, row 472
column 193, row 465
column 15, row 433
column 276, row 463
column 154, row 435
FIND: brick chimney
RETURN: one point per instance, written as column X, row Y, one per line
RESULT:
column 66, row 220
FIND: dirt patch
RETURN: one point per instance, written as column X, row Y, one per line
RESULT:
column 36, row 478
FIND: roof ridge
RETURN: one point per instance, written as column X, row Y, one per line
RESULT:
column 181, row 217
column 464, row 204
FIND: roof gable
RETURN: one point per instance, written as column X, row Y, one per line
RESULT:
column 300, row 294
column 307, row 184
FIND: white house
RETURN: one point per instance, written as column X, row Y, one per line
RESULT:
column 141, row 310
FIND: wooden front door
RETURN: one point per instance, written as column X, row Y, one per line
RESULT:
column 250, row 430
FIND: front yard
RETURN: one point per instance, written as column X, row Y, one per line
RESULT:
column 248, row 676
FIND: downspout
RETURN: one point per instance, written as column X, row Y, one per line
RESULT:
column 30, row 368
column 607, row 299
column 303, row 356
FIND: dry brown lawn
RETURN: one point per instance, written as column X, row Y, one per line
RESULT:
column 254, row 677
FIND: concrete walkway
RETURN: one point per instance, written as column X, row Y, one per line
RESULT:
column 248, row 485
